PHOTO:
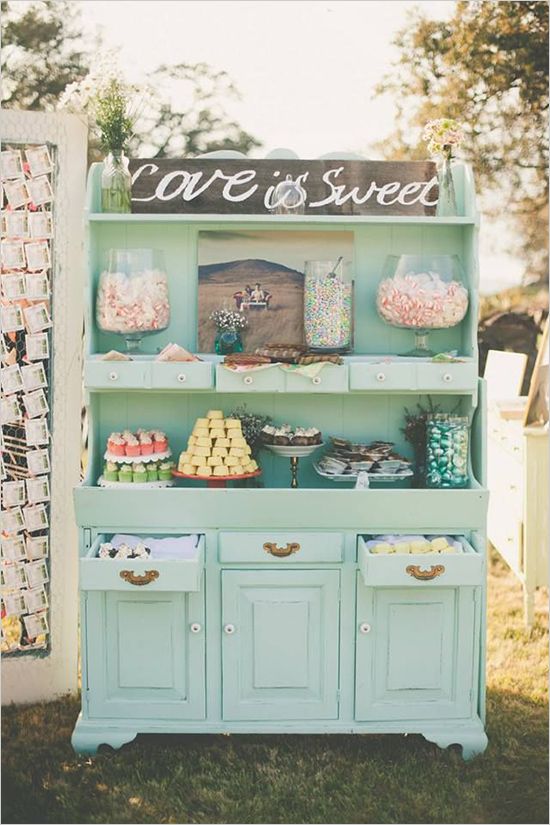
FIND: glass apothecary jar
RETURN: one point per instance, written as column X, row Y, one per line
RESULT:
column 422, row 292
column 289, row 197
column 328, row 306
column 447, row 440
column 132, row 297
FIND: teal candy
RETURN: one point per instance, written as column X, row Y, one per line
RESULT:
column 328, row 639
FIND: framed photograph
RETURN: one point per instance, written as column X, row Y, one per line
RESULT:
column 14, row 603
column 13, row 255
column 38, row 254
column 37, row 547
column 13, row 547
column 34, row 377
column 35, row 403
column 36, row 517
column 16, row 193
column 13, row 574
column 38, row 462
column 11, row 165
column 37, row 318
column 12, row 520
column 36, row 573
column 40, row 190
column 10, row 411
column 11, row 318
column 260, row 275
column 39, row 160
column 15, row 224
column 36, row 432
column 13, row 493
column 37, row 286
column 40, row 224
column 37, row 346
column 38, row 489
column 36, row 624
column 11, row 379
column 35, row 600
column 14, row 286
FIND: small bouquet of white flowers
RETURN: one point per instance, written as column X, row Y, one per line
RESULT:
column 228, row 319
column 442, row 136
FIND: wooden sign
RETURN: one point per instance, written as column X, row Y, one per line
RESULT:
column 252, row 187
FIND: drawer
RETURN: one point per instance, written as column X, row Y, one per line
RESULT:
column 260, row 380
column 182, row 575
column 189, row 375
column 282, row 547
column 383, row 377
column 392, row 570
column 446, row 377
column 331, row 378
column 115, row 375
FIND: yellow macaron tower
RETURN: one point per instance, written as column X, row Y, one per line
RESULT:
column 217, row 448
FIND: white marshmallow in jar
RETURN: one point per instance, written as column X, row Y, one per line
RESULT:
column 132, row 297
column 328, row 306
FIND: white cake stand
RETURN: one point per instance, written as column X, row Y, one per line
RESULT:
column 295, row 454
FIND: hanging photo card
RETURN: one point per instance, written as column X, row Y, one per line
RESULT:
column 14, row 603
column 14, row 286
column 35, row 600
column 13, row 574
column 11, row 166
column 13, row 548
column 33, row 377
column 37, row 286
column 17, row 193
column 37, row 346
column 39, row 160
column 35, row 403
column 12, row 520
column 13, row 254
column 38, row 489
column 15, row 224
column 36, row 573
column 11, row 379
column 36, row 517
column 38, row 254
column 38, row 462
column 37, row 547
column 40, row 224
column 37, row 317
column 40, row 190
column 36, row 432
column 13, row 493
column 11, row 318
column 36, row 624
column 10, row 411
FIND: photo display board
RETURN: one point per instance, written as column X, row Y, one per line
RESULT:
column 27, row 260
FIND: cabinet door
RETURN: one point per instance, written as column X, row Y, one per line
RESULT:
column 144, row 660
column 415, row 653
column 280, row 656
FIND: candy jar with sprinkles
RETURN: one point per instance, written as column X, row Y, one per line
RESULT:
column 328, row 306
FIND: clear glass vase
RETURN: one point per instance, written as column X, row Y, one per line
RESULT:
column 446, row 204
column 132, row 296
column 228, row 341
column 116, row 183
column 447, row 438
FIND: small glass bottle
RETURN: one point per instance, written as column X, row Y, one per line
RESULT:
column 328, row 306
column 116, row 183
column 447, row 438
column 289, row 197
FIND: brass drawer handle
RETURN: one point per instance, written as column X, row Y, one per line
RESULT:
column 425, row 575
column 133, row 578
column 281, row 552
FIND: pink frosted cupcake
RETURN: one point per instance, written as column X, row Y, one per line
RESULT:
column 160, row 442
column 116, row 445
column 146, row 444
column 132, row 446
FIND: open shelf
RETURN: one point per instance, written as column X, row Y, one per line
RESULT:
column 342, row 221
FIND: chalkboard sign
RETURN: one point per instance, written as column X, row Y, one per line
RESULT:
column 252, row 187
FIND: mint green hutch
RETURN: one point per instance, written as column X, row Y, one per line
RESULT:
column 329, row 639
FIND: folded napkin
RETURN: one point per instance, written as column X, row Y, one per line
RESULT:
column 172, row 547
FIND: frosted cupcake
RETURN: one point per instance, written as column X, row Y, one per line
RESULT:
column 146, row 444
column 132, row 446
column 152, row 471
column 110, row 472
column 165, row 471
column 139, row 473
column 125, row 474
column 116, row 444
column 160, row 442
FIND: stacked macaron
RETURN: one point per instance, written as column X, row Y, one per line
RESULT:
column 217, row 447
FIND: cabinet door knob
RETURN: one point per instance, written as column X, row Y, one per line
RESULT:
column 113, row 376
column 281, row 552
column 426, row 575
column 447, row 377
column 139, row 579
column 365, row 627
column 248, row 379
column 196, row 627
column 182, row 378
column 316, row 380
column 380, row 376
column 229, row 629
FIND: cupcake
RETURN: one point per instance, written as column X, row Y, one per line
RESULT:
column 268, row 434
column 313, row 435
column 110, row 440
column 125, row 474
column 282, row 435
column 152, row 471
column 132, row 446
column 116, row 445
column 160, row 442
column 300, row 437
column 139, row 473
column 110, row 472
column 165, row 471
column 146, row 444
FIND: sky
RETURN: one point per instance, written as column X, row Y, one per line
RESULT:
column 306, row 71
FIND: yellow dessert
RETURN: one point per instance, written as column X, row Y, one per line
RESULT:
column 233, row 423
column 214, row 414
column 238, row 470
column 221, row 451
column 402, row 547
column 420, row 546
column 438, row 544
column 203, row 470
column 238, row 451
column 215, row 461
column 217, row 433
column 204, row 442
column 220, row 471
column 202, row 451
column 188, row 469
column 222, row 442
column 382, row 547
column 231, row 461
column 201, row 422
column 201, row 432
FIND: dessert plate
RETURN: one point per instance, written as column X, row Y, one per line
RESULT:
column 297, row 451
column 134, row 485
column 387, row 478
column 136, row 459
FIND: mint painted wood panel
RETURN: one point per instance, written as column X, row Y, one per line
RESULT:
column 271, row 379
column 416, row 658
column 382, row 377
column 332, row 378
column 182, row 375
column 391, row 570
column 115, row 375
column 447, row 377
column 143, row 660
column 249, row 547
column 281, row 661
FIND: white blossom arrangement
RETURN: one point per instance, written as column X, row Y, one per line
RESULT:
column 442, row 136
column 228, row 319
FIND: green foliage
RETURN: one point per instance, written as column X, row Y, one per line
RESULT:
column 113, row 122
column 487, row 66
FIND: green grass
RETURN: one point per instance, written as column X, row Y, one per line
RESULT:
column 325, row 779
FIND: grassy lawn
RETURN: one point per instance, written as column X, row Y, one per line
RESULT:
column 325, row 779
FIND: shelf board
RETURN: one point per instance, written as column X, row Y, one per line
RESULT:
column 275, row 220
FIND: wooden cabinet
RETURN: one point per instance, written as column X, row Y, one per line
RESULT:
column 280, row 644
column 415, row 652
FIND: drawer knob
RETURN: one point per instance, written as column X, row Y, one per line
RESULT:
column 229, row 629
column 425, row 575
column 281, row 552
column 380, row 376
column 182, row 378
column 365, row 627
column 196, row 627
column 316, row 380
column 248, row 380
column 113, row 376
column 447, row 377
column 134, row 578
